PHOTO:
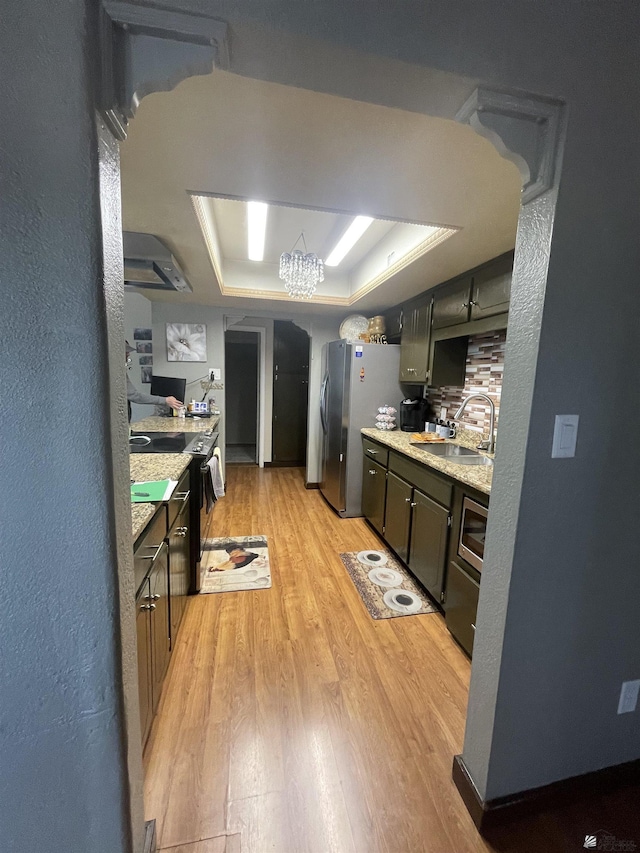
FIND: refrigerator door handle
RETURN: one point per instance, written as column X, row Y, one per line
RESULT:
column 323, row 402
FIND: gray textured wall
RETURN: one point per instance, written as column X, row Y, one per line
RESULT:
column 63, row 785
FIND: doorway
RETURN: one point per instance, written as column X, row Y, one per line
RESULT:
column 290, row 393
column 242, row 389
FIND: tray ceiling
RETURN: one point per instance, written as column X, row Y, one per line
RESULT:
column 327, row 159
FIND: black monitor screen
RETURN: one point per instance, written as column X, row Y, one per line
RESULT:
column 168, row 386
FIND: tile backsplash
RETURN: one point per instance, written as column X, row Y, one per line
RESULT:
column 485, row 367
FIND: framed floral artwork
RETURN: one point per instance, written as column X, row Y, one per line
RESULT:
column 186, row 342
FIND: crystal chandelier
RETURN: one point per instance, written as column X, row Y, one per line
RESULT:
column 301, row 271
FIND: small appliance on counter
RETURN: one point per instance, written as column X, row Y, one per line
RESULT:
column 413, row 414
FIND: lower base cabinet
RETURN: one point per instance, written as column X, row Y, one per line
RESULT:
column 160, row 626
column 374, row 490
column 145, row 675
column 462, row 605
column 179, row 569
column 398, row 515
column 409, row 507
column 428, row 547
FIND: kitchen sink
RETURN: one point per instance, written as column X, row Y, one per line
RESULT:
column 459, row 455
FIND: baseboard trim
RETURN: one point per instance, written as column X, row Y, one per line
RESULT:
column 488, row 814
column 150, row 839
column 312, row 485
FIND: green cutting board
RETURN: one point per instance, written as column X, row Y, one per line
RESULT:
column 148, row 492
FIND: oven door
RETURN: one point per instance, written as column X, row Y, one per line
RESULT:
column 205, row 512
column 473, row 531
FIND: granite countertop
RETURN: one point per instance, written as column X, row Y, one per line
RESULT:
column 141, row 515
column 153, row 466
column 158, row 466
column 160, row 424
column 477, row 476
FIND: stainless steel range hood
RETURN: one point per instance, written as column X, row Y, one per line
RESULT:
column 149, row 264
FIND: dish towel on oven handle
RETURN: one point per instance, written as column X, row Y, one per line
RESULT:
column 215, row 483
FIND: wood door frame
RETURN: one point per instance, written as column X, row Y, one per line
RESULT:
column 262, row 383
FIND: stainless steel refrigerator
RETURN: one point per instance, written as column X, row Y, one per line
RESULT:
column 357, row 379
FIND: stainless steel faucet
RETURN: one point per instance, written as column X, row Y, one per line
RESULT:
column 488, row 444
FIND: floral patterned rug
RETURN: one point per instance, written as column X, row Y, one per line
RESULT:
column 234, row 563
column 385, row 586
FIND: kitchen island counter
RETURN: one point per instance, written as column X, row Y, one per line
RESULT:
column 153, row 466
column 477, row 476
column 141, row 515
column 160, row 424
column 158, row 466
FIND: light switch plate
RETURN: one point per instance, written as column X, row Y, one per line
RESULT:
column 565, row 436
column 215, row 374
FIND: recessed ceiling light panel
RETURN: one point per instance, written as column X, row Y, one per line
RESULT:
column 348, row 240
column 256, row 229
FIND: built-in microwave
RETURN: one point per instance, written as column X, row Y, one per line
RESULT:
column 473, row 531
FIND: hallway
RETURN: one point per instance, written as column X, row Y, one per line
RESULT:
column 292, row 719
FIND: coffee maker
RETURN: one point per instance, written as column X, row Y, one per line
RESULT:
column 413, row 414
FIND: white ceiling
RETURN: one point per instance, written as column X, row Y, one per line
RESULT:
column 226, row 135
column 382, row 250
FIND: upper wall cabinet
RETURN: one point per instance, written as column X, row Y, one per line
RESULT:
column 475, row 302
column 492, row 289
column 451, row 304
column 393, row 320
column 414, row 353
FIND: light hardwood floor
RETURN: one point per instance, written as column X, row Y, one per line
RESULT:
column 291, row 718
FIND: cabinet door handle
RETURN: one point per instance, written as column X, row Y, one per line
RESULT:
column 371, row 471
column 408, row 500
column 154, row 597
column 413, row 503
column 474, row 627
column 373, row 452
column 182, row 496
column 158, row 549
column 147, row 607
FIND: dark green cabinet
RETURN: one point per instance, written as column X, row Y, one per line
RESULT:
column 428, row 548
column 451, row 304
column 393, row 321
column 462, row 605
column 492, row 289
column 398, row 515
column 145, row 673
column 179, row 569
column 409, row 506
column 415, row 340
column 474, row 296
column 374, row 487
column 160, row 626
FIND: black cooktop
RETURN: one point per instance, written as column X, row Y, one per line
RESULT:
column 160, row 442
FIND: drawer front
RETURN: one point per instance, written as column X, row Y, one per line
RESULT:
column 148, row 544
column 177, row 500
column 375, row 451
column 432, row 485
column 461, row 606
